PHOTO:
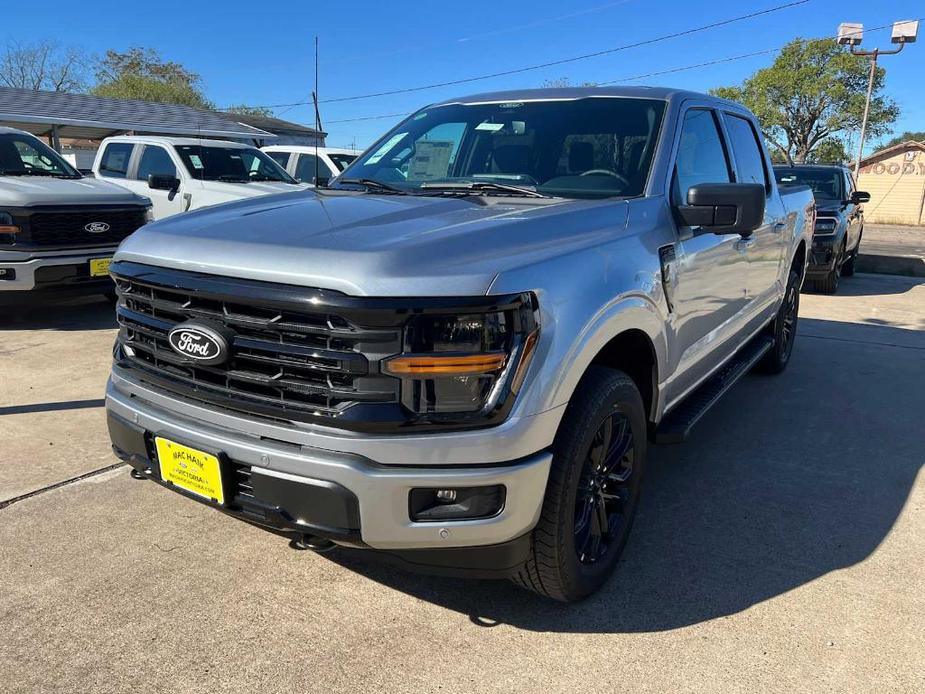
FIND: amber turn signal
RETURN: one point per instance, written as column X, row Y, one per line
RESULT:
column 449, row 365
column 7, row 229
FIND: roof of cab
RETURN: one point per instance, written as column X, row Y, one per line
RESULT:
column 572, row 93
column 181, row 141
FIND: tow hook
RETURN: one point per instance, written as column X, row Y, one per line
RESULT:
column 312, row 542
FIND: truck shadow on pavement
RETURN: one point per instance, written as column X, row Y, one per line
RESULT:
column 90, row 313
column 786, row 480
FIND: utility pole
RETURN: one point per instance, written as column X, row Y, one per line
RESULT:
column 851, row 35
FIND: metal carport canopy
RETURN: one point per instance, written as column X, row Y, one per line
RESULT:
column 93, row 117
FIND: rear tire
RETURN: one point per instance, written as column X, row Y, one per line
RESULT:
column 591, row 497
column 784, row 328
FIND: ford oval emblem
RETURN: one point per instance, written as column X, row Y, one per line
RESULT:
column 200, row 342
column 96, row 227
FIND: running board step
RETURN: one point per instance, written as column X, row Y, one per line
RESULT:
column 677, row 425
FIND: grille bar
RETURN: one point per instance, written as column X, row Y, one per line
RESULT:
column 57, row 227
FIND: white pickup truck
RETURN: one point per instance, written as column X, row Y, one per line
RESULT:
column 58, row 228
column 181, row 174
column 308, row 164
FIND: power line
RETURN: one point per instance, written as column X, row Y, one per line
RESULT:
column 553, row 63
column 633, row 78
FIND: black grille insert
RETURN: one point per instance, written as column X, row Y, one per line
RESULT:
column 286, row 363
column 69, row 227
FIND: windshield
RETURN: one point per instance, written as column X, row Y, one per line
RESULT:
column 827, row 184
column 231, row 164
column 584, row 148
column 341, row 161
column 23, row 155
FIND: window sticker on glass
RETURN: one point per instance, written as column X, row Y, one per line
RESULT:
column 195, row 161
column 490, row 127
column 420, row 116
column 386, row 146
column 431, row 160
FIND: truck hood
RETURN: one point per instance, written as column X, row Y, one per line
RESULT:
column 28, row 191
column 236, row 191
column 374, row 245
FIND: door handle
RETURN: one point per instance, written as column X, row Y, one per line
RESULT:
column 779, row 226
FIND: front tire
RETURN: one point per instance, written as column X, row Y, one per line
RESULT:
column 599, row 456
column 829, row 283
column 847, row 270
column 784, row 328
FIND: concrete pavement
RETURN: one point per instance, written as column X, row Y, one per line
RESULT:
column 780, row 549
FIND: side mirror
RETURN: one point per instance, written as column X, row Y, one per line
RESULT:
column 163, row 182
column 859, row 196
column 724, row 208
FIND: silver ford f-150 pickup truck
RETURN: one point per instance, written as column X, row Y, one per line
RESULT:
column 457, row 354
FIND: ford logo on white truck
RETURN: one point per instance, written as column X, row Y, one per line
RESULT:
column 96, row 227
column 199, row 342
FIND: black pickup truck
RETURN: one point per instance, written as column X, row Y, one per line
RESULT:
column 839, row 220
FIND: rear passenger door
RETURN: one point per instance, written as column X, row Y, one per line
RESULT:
column 765, row 247
column 115, row 160
column 712, row 269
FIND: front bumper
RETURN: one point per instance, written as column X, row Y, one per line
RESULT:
column 67, row 272
column 348, row 498
column 822, row 256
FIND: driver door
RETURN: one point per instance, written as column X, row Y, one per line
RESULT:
column 156, row 160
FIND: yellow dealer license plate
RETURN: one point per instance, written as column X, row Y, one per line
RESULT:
column 99, row 267
column 189, row 469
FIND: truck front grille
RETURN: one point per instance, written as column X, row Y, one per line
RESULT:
column 287, row 360
column 70, row 228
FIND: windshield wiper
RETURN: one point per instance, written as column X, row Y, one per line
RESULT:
column 373, row 184
column 231, row 178
column 482, row 187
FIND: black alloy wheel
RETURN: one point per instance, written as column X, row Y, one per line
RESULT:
column 605, row 495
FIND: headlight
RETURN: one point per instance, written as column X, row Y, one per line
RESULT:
column 825, row 226
column 8, row 229
column 149, row 214
column 466, row 363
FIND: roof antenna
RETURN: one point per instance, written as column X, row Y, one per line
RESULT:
column 317, row 113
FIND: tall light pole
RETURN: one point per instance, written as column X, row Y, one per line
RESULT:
column 851, row 35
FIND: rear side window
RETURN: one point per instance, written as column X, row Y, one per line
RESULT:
column 701, row 155
column 281, row 158
column 114, row 163
column 747, row 152
column 155, row 161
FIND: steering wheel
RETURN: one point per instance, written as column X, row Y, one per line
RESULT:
column 606, row 172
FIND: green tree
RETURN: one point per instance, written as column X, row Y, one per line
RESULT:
column 245, row 110
column 141, row 73
column 813, row 93
column 917, row 135
column 830, row 151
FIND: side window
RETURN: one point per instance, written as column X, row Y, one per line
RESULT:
column 155, row 160
column 849, row 182
column 281, row 158
column 305, row 170
column 701, row 155
column 747, row 152
column 114, row 163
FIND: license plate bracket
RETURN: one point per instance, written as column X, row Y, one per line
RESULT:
column 191, row 469
column 99, row 267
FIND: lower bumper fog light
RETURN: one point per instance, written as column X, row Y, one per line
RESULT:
column 456, row 503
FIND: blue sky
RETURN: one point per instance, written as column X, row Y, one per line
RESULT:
column 261, row 53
